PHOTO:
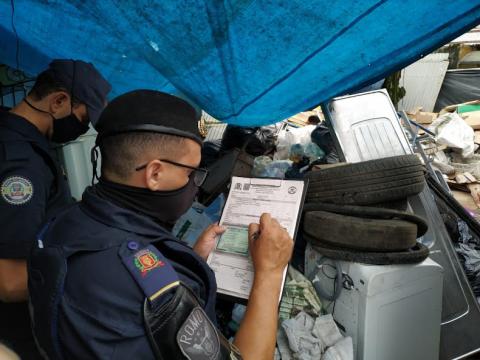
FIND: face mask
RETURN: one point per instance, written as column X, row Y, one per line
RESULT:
column 67, row 129
column 164, row 206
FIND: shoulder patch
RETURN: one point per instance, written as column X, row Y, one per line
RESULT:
column 150, row 269
column 146, row 260
column 17, row 190
column 198, row 338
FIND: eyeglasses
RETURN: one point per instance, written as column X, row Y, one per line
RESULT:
column 199, row 174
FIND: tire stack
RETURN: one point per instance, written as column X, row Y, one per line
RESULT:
column 356, row 212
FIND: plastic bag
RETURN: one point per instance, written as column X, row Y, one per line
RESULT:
column 451, row 130
column 238, row 313
column 260, row 140
column 259, row 164
column 310, row 151
column 296, row 153
column 313, row 152
column 288, row 137
column 276, row 169
column 464, row 232
column 264, row 166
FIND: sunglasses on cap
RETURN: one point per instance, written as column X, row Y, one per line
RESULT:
column 199, row 174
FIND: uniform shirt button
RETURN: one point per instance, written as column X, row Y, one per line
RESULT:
column 132, row 245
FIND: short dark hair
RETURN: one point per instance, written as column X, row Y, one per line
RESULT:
column 46, row 84
column 121, row 153
column 313, row 119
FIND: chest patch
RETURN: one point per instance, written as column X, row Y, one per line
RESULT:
column 17, row 190
column 197, row 338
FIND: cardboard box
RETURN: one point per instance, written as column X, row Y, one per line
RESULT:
column 472, row 119
column 477, row 137
column 423, row 117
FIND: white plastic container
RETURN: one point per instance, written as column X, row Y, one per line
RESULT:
column 76, row 160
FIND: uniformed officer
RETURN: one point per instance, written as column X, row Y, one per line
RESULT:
column 108, row 280
column 59, row 107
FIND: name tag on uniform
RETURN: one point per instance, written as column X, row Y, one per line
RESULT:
column 150, row 269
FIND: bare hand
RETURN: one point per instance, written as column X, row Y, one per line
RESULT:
column 206, row 241
column 270, row 245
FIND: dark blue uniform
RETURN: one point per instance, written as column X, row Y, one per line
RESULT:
column 33, row 188
column 86, row 302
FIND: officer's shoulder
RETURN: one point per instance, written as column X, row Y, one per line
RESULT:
column 17, row 150
column 142, row 259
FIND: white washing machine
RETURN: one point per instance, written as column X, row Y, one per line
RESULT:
column 392, row 312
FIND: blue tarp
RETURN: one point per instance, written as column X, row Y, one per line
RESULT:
column 242, row 61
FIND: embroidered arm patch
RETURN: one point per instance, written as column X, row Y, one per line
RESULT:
column 16, row 190
column 152, row 272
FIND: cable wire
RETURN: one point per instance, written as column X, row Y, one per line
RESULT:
column 17, row 39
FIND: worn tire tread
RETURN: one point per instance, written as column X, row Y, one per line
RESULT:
column 358, row 233
column 368, row 196
column 414, row 255
column 367, row 167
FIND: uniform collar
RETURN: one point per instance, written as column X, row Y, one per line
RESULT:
column 118, row 217
column 23, row 127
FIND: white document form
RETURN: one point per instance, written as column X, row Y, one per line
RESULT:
column 248, row 199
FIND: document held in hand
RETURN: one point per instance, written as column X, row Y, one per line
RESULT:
column 248, row 199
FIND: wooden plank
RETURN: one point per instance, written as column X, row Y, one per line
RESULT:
column 461, row 179
column 459, row 187
column 465, row 200
column 431, row 149
column 470, row 177
column 475, row 192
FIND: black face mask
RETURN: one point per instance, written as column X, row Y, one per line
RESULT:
column 65, row 129
column 68, row 128
column 164, row 206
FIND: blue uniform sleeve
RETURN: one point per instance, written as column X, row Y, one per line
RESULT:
column 24, row 192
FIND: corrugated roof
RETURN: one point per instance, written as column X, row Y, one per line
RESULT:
column 422, row 82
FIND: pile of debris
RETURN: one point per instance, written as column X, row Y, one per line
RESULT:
column 455, row 150
column 452, row 141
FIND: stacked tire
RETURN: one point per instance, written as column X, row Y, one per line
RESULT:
column 356, row 212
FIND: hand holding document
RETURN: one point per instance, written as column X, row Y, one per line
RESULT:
column 206, row 241
column 270, row 245
column 249, row 198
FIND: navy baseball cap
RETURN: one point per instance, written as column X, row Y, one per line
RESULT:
column 85, row 83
